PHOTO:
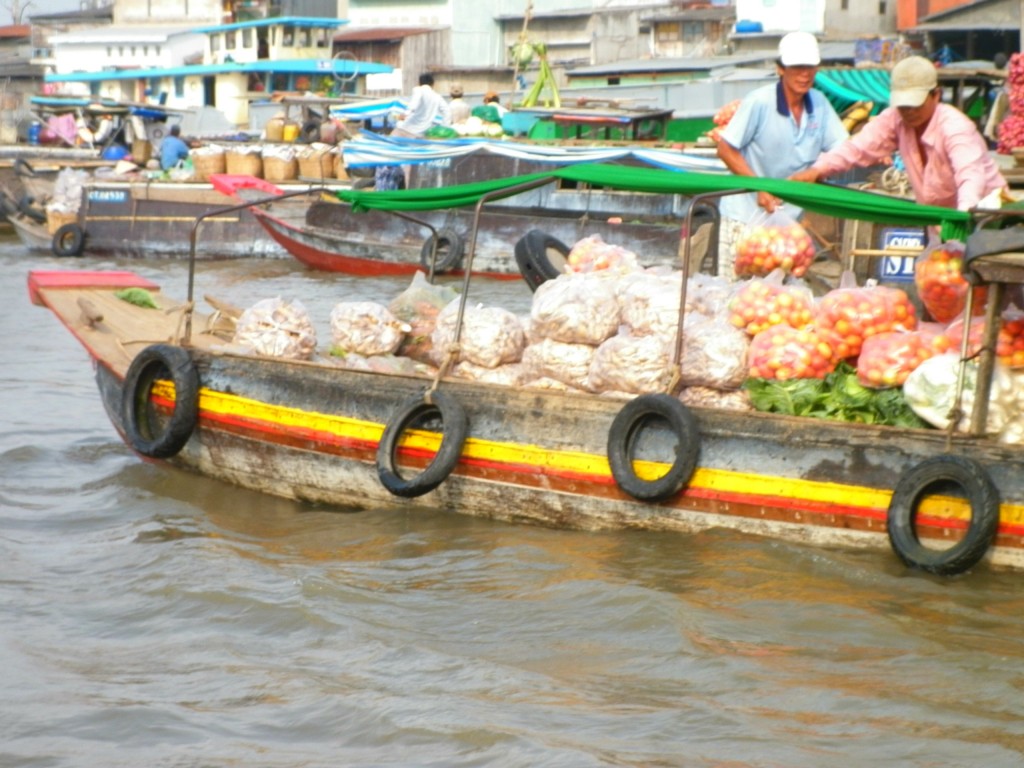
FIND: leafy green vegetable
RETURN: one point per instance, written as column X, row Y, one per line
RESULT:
column 839, row 396
column 140, row 297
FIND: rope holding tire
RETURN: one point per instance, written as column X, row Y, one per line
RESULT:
column 981, row 494
column 626, row 429
column 440, row 467
column 144, row 434
column 68, row 240
column 450, row 249
column 533, row 256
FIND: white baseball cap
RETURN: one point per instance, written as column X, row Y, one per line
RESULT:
column 912, row 79
column 799, row 49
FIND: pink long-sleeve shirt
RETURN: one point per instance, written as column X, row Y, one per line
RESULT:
column 955, row 172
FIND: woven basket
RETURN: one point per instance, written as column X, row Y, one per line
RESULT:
column 278, row 169
column 206, row 164
column 317, row 165
column 243, row 164
column 55, row 220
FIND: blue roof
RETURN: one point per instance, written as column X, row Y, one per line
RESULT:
column 284, row 66
column 294, row 21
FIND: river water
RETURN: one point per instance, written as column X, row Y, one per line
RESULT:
column 149, row 617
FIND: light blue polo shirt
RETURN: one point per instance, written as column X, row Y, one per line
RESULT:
column 764, row 132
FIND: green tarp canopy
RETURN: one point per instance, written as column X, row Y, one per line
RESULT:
column 840, row 202
column 845, row 87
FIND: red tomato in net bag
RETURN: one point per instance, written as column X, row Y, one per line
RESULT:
column 765, row 247
column 786, row 353
column 938, row 275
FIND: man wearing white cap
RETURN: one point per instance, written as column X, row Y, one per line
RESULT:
column 946, row 158
column 777, row 130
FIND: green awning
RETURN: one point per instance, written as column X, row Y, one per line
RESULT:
column 845, row 87
column 827, row 199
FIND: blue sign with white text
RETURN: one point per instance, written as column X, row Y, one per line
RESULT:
column 899, row 268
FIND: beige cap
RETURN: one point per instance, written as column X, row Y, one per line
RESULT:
column 799, row 49
column 912, row 80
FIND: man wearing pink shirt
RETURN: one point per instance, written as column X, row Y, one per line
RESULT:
column 946, row 158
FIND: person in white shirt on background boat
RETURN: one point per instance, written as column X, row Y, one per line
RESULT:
column 778, row 130
column 426, row 107
column 458, row 108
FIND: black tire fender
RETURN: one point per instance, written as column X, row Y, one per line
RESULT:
column 981, row 494
column 68, row 240
column 412, row 410
column 310, row 132
column 160, row 361
column 450, row 249
column 537, row 264
column 28, row 207
column 622, row 437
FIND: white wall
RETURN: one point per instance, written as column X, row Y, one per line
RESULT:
column 110, row 48
column 197, row 12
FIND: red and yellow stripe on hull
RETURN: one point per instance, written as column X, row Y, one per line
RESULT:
column 719, row 491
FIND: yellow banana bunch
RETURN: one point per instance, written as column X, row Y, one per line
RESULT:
column 857, row 114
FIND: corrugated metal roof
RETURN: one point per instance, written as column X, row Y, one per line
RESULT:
column 695, row 14
column 15, row 30
column 90, row 14
column 701, row 64
column 959, row 26
column 378, row 34
column 830, row 51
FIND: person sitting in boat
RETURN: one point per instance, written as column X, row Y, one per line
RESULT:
column 491, row 98
column 172, row 149
column 777, row 130
column 426, row 106
column 458, row 108
column 945, row 156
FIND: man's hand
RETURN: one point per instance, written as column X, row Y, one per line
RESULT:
column 810, row 174
column 767, row 201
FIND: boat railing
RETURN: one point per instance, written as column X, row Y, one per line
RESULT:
column 193, row 239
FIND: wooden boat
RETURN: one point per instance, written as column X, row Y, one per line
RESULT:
column 333, row 239
column 315, row 432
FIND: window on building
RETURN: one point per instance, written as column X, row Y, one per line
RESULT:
column 845, row 5
column 229, row 41
column 157, row 50
column 120, row 51
column 882, row 7
column 145, row 51
column 110, row 51
column 288, row 36
column 214, row 43
column 322, row 39
column 303, row 37
column 179, row 87
column 247, row 38
column 134, row 53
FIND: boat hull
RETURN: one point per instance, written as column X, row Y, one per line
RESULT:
column 134, row 220
column 335, row 239
column 311, row 432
